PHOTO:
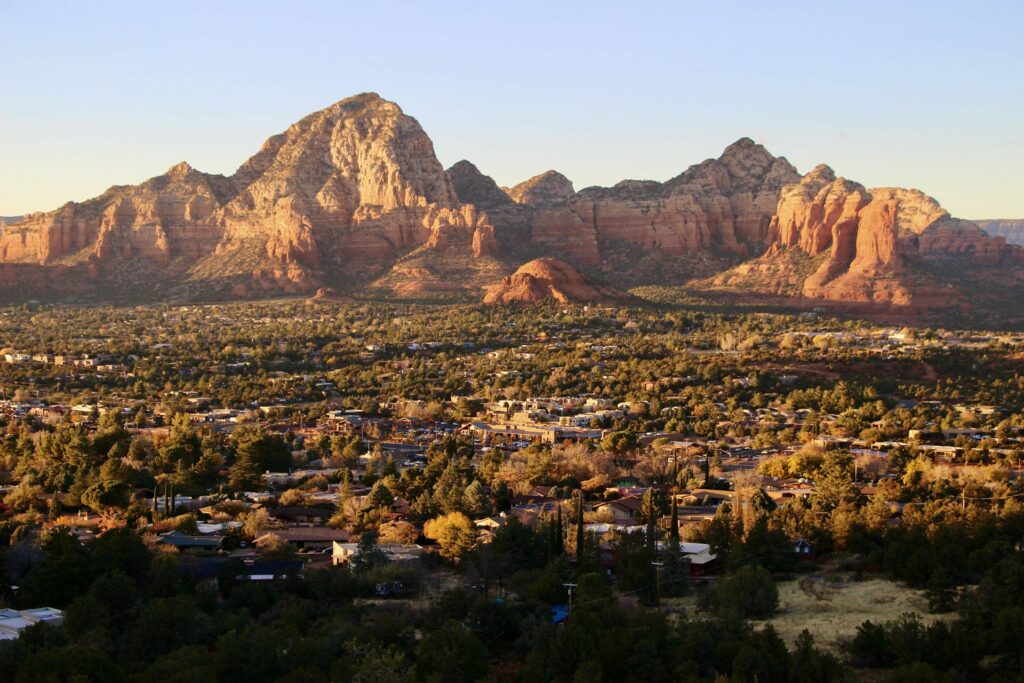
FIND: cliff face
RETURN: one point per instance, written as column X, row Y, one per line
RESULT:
column 548, row 279
column 348, row 188
column 722, row 206
column 725, row 203
column 360, row 172
column 166, row 217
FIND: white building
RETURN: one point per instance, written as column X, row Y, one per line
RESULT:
column 13, row 622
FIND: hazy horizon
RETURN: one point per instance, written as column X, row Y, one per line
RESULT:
column 929, row 99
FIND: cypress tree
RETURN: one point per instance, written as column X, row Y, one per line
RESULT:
column 674, row 533
column 579, row 529
column 559, row 534
column 650, row 512
column 549, row 529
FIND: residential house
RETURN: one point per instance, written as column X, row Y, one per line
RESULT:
column 623, row 510
column 307, row 538
column 13, row 622
column 185, row 543
column 404, row 553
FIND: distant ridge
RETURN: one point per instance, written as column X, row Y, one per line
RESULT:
column 1010, row 229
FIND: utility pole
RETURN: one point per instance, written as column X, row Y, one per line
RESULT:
column 657, row 582
column 569, row 586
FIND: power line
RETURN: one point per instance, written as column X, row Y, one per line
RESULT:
column 685, row 578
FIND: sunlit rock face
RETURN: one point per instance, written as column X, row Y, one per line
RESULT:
column 353, row 197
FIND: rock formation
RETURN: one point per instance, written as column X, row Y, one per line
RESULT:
column 346, row 189
column 352, row 197
column 547, row 189
column 327, row 295
column 725, row 203
column 548, row 278
column 885, row 246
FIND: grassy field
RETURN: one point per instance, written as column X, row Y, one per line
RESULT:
column 832, row 608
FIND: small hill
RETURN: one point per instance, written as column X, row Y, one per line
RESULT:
column 548, row 278
column 547, row 189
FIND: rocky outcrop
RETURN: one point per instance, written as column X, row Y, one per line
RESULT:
column 548, row 279
column 893, row 247
column 547, row 189
column 350, row 186
column 327, row 295
column 473, row 187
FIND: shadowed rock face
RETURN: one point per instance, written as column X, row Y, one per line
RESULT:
column 353, row 197
column 473, row 187
column 548, row 278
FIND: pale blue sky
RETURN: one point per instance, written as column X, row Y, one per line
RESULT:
column 920, row 94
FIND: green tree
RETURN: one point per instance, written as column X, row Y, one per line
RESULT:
column 474, row 499
column 749, row 593
column 107, row 495
column 257, row 452
column 451, row 653
column 619, row 442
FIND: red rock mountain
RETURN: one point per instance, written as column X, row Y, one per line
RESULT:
column 345, row 190
column 549, row 278
column 352, row 198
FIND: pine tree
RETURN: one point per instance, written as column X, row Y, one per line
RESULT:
column 474, row 499
column 449, row 489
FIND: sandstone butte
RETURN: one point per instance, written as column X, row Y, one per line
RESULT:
column 888, row 247
column 549, row 278
column 352, row 198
